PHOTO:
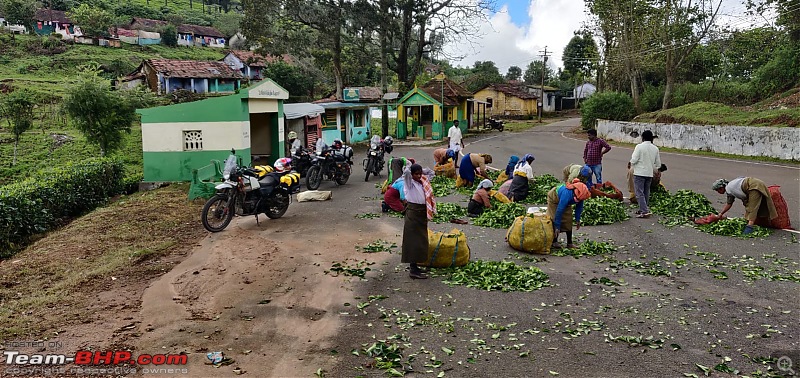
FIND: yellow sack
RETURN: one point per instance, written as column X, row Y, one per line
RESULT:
column 531, row 234
column 384, row 186
column 460, row 182
column 501, row 177
column 499, row 196
column 446, row 170
column 447, row 249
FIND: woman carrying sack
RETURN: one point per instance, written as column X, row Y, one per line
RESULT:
column 480, row 200
column 420, row 207
column 559, row 208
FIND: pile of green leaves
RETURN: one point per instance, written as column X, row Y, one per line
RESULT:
column 603, row 210
column 388, row 357
column 360, row 269
column 588, row 248
column 500, row 216
column 496, row 275
column 442, row 186
column 378, row 246
column 679, row 208
column 446, row 211
column 733, row 227
column 537, row 193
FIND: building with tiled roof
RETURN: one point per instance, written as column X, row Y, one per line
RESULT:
column 507, row 100
column 430, row 110
column 250, row 63
column 168, row 75
column 49, row 21
column 188, row 35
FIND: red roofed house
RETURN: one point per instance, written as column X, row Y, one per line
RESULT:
column 188, row 35
column 168, row 75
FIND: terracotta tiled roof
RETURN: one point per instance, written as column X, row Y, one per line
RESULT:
column 52, row 15
column 123, row 32
column 254, row 59
column 368, row 93
column 151, row 25
column 453, row 92
column 512, row 90
column 194, row 69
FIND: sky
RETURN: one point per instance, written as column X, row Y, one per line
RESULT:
column 521, row 29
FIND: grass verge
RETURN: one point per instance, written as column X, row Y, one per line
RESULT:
column 56, row 281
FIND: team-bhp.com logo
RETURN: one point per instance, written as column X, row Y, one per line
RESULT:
column 85, row 357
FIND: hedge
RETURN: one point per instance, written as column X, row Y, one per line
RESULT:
column 40, row 203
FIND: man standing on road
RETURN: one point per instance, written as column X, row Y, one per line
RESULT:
column 454, row 136
column 593, row 155
column 645, row 160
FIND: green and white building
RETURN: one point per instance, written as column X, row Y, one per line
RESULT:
column 177, row 139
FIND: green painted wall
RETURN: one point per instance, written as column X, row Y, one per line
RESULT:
column 178, row 166
column 418, row 99
column 226, row 108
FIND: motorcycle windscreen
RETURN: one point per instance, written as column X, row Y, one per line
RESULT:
column 230, row 166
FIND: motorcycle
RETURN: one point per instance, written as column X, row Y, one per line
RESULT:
column 494, row 124
column 373, row 163
column 244, row 193
column 331, row 164
column 302, row 160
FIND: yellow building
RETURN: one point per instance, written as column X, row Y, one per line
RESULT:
column 507, row 100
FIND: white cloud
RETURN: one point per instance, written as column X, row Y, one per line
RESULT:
column 551, row 23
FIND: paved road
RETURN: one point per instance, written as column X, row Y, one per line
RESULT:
column 685, row 297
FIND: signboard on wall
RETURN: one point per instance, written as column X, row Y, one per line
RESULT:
column 350, row 94
column 268, row 89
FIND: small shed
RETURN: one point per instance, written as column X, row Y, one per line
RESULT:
column 177, row 139
column 428, row 111
column 305, row 120
column 348, row 121
column 507, row 100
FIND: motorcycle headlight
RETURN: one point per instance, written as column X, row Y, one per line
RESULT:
column 226, row 176
column 373, row 146
column 373, row 153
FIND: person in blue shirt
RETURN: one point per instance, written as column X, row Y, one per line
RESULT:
column 394, row 197
column 560, row 201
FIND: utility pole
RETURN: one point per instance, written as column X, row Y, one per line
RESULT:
column 541, row 89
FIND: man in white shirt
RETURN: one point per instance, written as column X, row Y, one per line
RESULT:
column 454, row 136
column 645, row 160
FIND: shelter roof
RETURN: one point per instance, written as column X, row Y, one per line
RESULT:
column 254, row 59
column 345, row 105
column 52, row 15
column 453, row 92
column 511, row 90
column 300, row 110
column 194, row 69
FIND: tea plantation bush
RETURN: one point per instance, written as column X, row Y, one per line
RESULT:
column 39, row 203
column 614, row 106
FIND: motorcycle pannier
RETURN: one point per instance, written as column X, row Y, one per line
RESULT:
column 447, row 249
column 531, row 234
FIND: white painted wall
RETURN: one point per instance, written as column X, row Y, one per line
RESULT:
column 775, row 142
column 163, row 137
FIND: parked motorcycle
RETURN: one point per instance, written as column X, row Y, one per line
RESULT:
column 302, row 160
column 373, row 163
column 332, row 164
column 494, row 124
column 243, row 193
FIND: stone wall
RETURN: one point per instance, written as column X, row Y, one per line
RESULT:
column 776, row 142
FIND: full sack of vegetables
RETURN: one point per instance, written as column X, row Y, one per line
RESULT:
column 532, row 234
column 447, row 249
column 446, row 170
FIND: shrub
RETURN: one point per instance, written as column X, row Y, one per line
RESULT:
column 779, row 74
column 36, row 205
column 613, row 106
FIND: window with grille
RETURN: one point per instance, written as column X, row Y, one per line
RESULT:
column 192, row 140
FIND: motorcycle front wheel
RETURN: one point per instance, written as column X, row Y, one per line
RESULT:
column 314, row 178
column 278, row 205
column 218, row 212
column 343, row 176
column 368, row 168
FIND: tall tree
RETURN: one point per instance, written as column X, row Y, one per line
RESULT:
column 580, row 56
column 684, row 24
column 533, row 73
column 19, row 12
column 514, row 73
column 102, row 115
column 483, row 74
column 93, row 21
column 17, row 109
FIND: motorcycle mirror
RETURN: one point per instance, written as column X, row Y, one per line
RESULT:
column 233, row 151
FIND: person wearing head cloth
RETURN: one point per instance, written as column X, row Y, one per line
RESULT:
column 419, row 208
column 577, row 171
column 560, row 201
column 472, row 164
column 523, row 176
column 480, row 200
column 645, row 160
column 442, row 155
column 512, row 163
column 754, row 196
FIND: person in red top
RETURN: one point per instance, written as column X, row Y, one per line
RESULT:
column 593, row 155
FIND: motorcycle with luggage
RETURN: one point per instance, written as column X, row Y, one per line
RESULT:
column 250, row 191
column 373, row 163
column 330, row 164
